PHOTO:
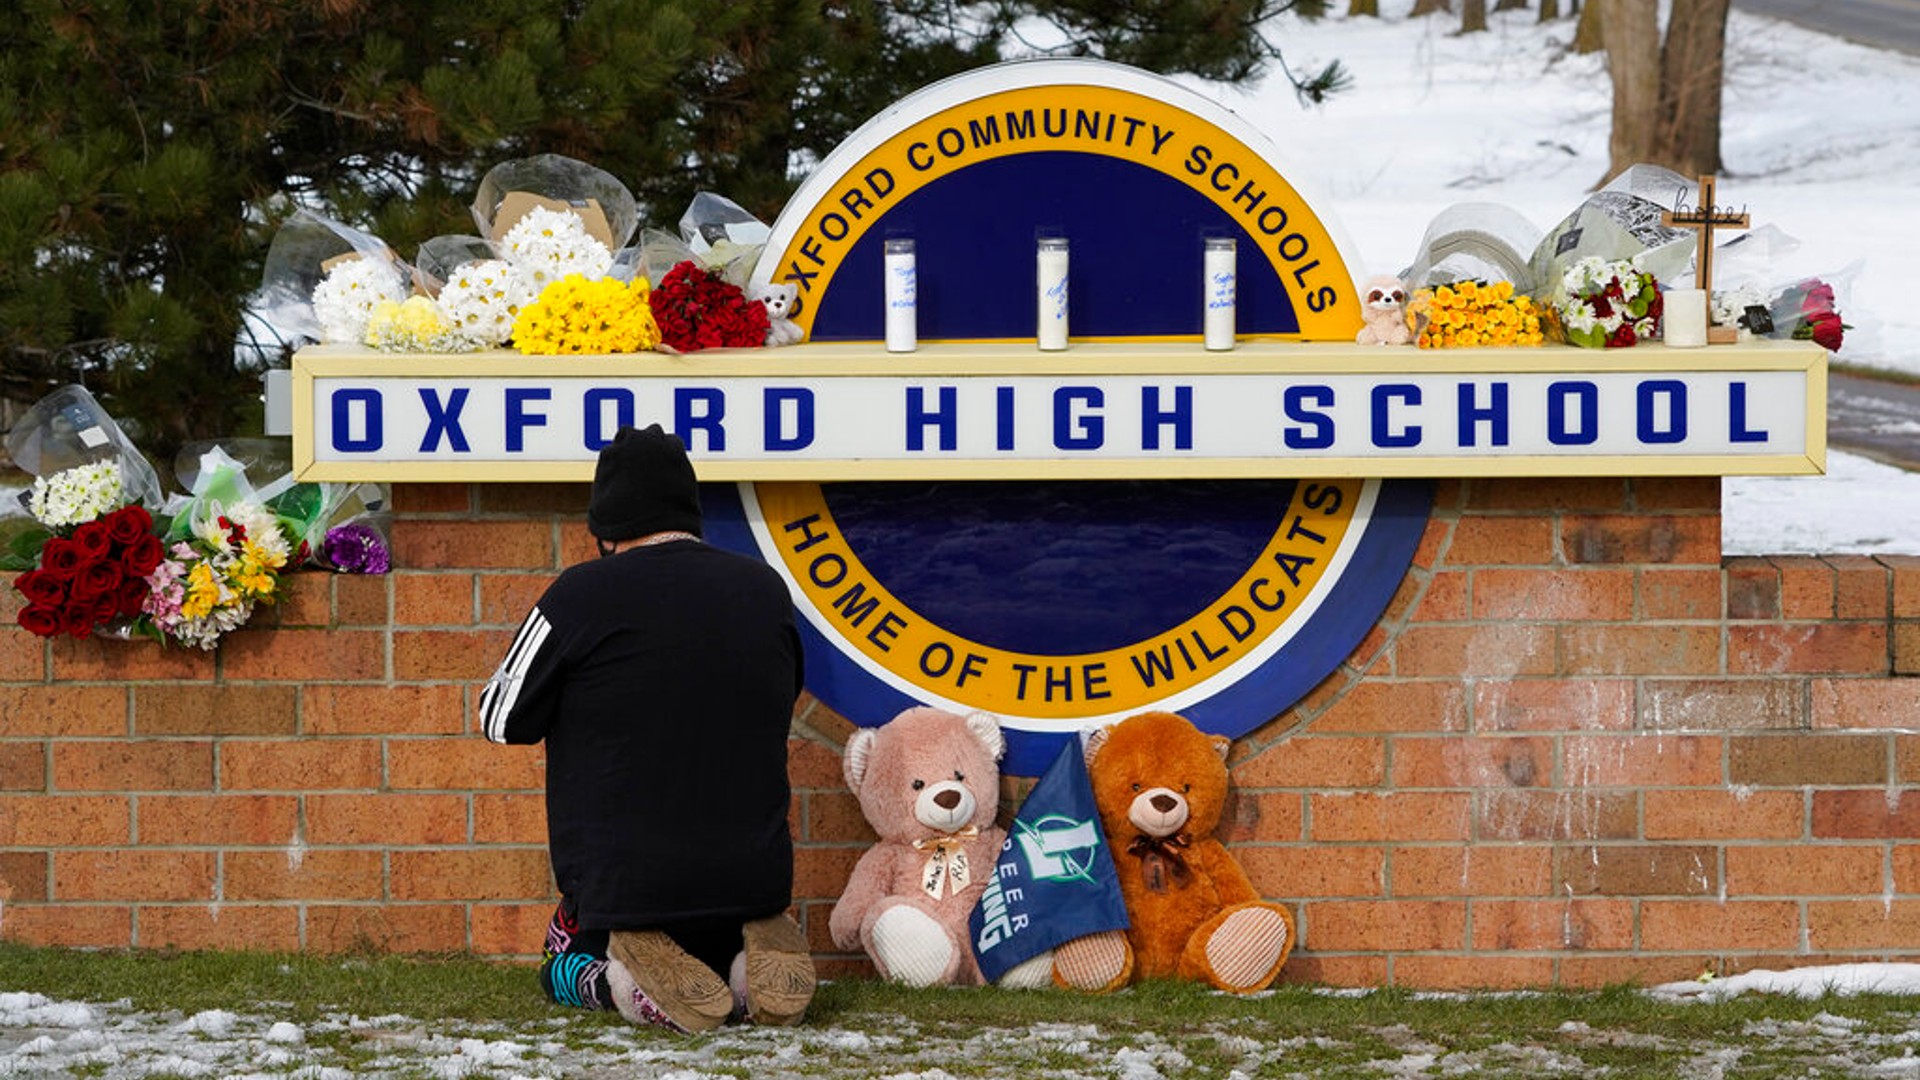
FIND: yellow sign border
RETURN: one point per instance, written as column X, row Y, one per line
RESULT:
column 1294, row 560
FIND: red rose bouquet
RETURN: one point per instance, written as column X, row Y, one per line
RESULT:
column 697, row 309
column 95, row 577
column 1808, row 311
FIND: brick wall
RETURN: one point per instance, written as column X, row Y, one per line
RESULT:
column 1580, row 747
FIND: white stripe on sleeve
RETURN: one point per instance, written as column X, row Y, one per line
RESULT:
column 503, row 689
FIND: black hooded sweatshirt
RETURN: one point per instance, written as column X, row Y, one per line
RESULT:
column 663, row 680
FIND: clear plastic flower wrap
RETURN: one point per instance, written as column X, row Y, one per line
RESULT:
column 323, row 279
column 83, row 464
column 716, row 234
column 1761, row 287
column 21, row 534
column 1475, row 242
column 219, row 474
column 558, row 182
column 436, row 259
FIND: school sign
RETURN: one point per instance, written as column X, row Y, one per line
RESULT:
column 1065, row 538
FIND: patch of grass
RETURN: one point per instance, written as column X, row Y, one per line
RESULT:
column 300, row 987
column 867, row 1028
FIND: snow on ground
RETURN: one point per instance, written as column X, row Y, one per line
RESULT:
column 1822, row 140
column 1813, row 982
column 39, row 1037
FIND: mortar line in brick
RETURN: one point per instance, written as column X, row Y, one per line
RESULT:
column 1893, row 651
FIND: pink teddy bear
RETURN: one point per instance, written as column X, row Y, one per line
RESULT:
column 929, row 784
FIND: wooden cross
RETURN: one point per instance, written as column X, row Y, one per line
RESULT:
column 1703, row 218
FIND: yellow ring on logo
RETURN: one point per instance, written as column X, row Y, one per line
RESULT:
column 855, row 609
column 1096, row 120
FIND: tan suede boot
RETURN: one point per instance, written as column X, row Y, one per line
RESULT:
column 686, row 990
column 780, row 977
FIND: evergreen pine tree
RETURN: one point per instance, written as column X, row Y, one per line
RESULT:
column 148, row 151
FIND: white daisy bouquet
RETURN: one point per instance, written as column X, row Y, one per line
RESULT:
column 350, row 293
column 78, row 495
column 547, row 245
column 323, row 280
column 481, row 299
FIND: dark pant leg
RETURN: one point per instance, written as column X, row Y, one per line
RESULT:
column 713, row 942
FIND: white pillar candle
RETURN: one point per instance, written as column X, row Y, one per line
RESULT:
column 903, row 296
column 1052, row 282
column 1220, row 289
column 1684, row 318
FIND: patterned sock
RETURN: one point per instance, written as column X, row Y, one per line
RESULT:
column 574, row 971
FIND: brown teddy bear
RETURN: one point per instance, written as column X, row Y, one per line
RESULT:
column 1160, row 784
column 929, row 784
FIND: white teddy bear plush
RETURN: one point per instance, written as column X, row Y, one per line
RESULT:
column 783, row 302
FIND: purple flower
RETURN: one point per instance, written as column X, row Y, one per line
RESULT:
column 356, row 548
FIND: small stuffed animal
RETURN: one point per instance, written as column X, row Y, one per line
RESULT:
column 929, row 783
column 1383, row 308
column 1160, row 785
column 783, row 302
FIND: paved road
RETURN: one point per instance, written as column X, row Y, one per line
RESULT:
column 1887, row 24
column 1875, row 418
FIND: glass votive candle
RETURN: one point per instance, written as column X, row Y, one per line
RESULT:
column 1051, row 263
column 1220, row 265
column 903, row 295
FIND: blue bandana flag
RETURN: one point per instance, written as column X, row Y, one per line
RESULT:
column 1054, row 880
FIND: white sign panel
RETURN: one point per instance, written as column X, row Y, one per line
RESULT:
column 769, row 424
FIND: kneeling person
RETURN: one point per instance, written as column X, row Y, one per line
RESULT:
column 662, row 678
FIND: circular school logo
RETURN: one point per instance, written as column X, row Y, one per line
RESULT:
column 1057, row 603
column 1061, row 605
column 1135, row 170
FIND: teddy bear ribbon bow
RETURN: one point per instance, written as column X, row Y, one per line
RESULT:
column 1160, row 859
column 947, row 865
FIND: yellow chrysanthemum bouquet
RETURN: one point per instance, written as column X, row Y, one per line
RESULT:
column 1468, row 314
column 578, row 315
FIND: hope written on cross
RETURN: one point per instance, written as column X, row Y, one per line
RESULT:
column 1703, row 218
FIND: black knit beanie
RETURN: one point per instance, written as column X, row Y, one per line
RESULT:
column 643, row 484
